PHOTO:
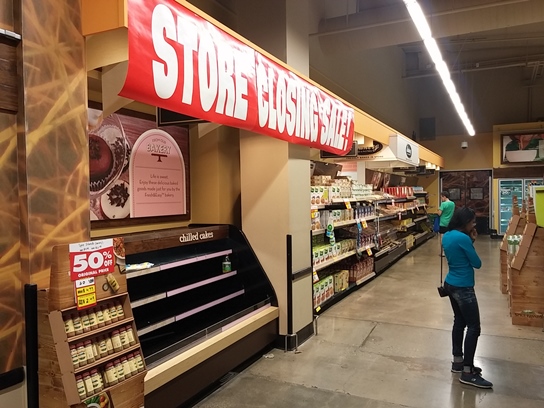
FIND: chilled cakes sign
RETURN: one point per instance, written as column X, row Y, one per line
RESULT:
column 181, row 62
column 135, row 169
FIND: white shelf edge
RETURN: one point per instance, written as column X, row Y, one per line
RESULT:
column 187, row 261
column 155, row 326
column 364, row 279
column 334, row 260
column 208, row 305
column 421, row 218
column 164, row 295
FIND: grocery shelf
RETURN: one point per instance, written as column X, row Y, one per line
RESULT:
column 177, row 291
column 344, row 224
column 365, row 278
column 421, row 218
column 170, row 320
column 330, row 262
column 165, row 264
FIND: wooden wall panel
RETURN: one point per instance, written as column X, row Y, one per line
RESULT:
column 53, row 152
column 6, row 14
column 11, row 293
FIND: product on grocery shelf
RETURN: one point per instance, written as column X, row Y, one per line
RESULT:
column 88, row 383
column 111, row 374
column 93, row 322
column 226, row 265
column 89, row 351
column 126, row 367
column 74, row 355
column 100, row 317
column 130, row 335
column 124, row 338
column 81, row 353
column 85, row 322
column 139, row 362
column 113, row 312
column 96, row 381
column 120, row 370
column 106, row 313
column 132, row 364
column 109, row 345
column 116, row 341
column 82, row 392
column 69, row 326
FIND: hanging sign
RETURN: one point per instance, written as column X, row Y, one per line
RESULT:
column 92, row 258
column 181, row 62
column 85, row 291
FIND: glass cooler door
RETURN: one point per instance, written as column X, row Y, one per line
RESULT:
column 508, row 188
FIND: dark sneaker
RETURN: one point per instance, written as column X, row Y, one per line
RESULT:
column 476, row 380
column 458, row 368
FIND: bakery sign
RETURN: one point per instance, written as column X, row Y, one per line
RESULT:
column 181, row 62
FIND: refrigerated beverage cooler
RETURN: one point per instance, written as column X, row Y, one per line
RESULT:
column 508, row 188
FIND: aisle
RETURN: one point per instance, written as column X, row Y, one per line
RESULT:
column 388, row 346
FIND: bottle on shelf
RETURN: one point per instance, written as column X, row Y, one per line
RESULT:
column 95, row 379
column 81, row 353
column 120, row 370
column 69, row 326
column 102, row 347
column 126, row 367
column 74, row 355
column 226, row 265
column 132, row 364
column 123, row 337
column 116, row 341
column 130, row 335
column 139, row 362
column 106, row 313
column 85, row 322
column 81, row 390
column 88, row 383
column 113, row 312
column 111, row 374
column 109, row 344
column 89, row 351
column 100, row 317
column 93, row 322
column 78, row 325
column 120, row 311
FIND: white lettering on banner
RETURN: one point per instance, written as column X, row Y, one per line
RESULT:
column 188, row 51
column 165, row 74
column 220, row 79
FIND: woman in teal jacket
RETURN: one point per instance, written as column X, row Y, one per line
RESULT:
column 459, row 284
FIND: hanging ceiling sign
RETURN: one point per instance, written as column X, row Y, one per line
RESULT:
column 181, row 62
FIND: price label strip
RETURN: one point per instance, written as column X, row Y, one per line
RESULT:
column 85, row 291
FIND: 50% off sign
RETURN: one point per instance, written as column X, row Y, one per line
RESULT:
column 92, row 258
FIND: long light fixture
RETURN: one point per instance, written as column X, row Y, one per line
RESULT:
column 432, row 48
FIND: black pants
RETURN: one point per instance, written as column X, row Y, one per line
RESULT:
column 466, row 314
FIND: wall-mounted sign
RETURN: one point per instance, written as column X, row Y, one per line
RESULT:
column 181, row 62
column 136, row 170
column 370, row 150
column 523, row 148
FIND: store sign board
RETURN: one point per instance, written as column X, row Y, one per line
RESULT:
column 404, row 149
column 181, row 62
column 92, row 258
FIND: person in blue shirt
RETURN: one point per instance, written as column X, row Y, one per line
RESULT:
column 459, row 284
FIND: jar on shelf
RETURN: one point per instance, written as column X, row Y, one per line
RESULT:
column 88, row 383
column 93, row 322
column 139, row 362
column 96, row 352
column 106, row 313
column 111, row 374
column 81, row 390
column 120, row 311
column 116, row 341
column 69, row 326
column 100, row 317
column 89, row 351
column 126, row 367
column 113, row 312
column 78, row 325
column 120, row 370
column 132, row 364
column 81, row 353
column 130, row 335
column 74, row 355
column 85, row 322
column 95, row 378
column 124, row 338
column 102, row 347
column 109, row 344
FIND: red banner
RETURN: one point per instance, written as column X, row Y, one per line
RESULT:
column 181, row 62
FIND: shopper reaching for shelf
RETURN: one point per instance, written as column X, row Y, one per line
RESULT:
column 459, row 285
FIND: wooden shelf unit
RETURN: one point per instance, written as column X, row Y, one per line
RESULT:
column 526, row 278
column 57, row 374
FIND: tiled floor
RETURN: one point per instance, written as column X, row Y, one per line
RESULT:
column 388, row 345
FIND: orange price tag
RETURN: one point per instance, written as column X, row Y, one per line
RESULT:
column 369, row 251
column 348, row 204
column 364, row 223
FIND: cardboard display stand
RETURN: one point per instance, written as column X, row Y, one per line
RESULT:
column 57, row 373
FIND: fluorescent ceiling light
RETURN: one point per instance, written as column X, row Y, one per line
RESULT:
column 432, row 48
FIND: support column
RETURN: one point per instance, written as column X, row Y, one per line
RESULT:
column 275, row 175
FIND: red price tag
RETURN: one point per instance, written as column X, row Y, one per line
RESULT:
column 91, row 258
